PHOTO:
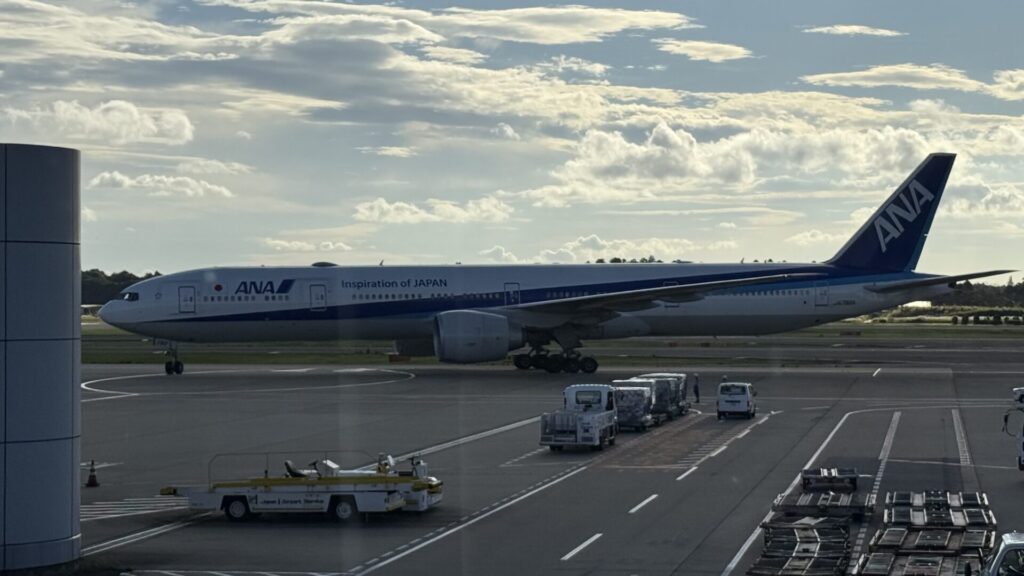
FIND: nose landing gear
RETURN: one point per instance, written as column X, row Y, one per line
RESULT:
column 173, row 366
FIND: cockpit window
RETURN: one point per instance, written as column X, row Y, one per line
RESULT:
column 130, row 296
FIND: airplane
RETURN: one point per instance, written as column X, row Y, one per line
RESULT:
column 469, row 314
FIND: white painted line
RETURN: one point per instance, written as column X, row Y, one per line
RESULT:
column 718, row 451
column 640, row 505
column 687, row 473
column 876, row 372
column 961, row 438
column 939, row 463
column 138, row 536
column 742, row 434
column 579, row 548
column 446, row 533
column 460, row 441
column 889, row 436
column 293, row 370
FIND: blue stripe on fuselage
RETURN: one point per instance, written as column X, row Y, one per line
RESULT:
column 426, row 307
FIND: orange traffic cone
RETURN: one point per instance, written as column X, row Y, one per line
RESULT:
column 92, row 482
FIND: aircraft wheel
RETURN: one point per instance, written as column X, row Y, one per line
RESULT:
column 571, row 365
column 169, row 367
column 538, row 361
column 522, row 361
column 588, row 365
column 179, row 367
column 554, row 363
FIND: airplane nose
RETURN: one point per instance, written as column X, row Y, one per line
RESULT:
column 107, row 313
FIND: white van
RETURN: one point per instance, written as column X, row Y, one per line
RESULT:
column 736, row 398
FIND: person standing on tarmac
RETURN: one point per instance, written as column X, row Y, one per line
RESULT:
column 696, row 387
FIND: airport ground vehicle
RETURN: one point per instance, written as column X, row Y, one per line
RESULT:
column 737, row 398
column 659, row 396
column 634, row 405
column 323, row 488
column 679, row 389
column 588, row 418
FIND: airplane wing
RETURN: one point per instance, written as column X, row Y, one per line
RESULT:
column 938, row 280
column 632, row 300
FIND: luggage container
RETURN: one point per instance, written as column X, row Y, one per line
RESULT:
column 634, row 406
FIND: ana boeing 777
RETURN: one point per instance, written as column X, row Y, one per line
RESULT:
column 467, row 314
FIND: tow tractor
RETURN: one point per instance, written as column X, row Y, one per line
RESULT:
column 323, row 487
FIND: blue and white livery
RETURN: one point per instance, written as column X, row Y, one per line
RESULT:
column 468, row 314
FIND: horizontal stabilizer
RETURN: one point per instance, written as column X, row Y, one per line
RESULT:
column 935, row 281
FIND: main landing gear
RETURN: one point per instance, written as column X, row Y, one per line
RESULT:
column 569, row 361
column 173, row 366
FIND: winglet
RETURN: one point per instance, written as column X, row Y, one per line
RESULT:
column 892, row 239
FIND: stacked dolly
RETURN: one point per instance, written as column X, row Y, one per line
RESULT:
column 934, row 533
column 808, row 533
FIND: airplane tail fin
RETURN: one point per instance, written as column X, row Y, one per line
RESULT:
column 893, row 237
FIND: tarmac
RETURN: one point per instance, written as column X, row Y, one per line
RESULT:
column 685, row 498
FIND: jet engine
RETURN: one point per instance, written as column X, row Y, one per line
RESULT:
column 466, row 336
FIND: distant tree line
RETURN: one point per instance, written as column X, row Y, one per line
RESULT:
column 98, row 287
column 1007, row 295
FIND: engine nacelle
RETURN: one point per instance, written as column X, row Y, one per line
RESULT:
column 466, row 336
column 422, row 347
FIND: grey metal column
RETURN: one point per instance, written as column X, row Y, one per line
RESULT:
column 40, row 410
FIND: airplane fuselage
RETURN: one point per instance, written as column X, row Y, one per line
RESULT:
column 400, row 302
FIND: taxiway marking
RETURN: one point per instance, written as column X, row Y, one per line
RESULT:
column 636, row 508
column 580, row 548
column 687, row 473
column 877, row 372
column 961, row 438
column 883, row 458
column 139, row 536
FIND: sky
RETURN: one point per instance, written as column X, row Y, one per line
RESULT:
column 286, row 132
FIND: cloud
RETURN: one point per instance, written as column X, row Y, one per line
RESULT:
column 208, row 166
column 814, row 237
column 242, row 134
column 280, row 245
column 698, row 50
column 393, row 151
column 503, row 130
column 89, row 215
column 727, row 225
column 562, row 64
column 853, row 30
column 455, row 55
column 608, row 167
column 592, row 247
column 536, row 25
column 1007, row 85
column 160, row 185
column 115, row 121
column 971, row 197
column 486, row 209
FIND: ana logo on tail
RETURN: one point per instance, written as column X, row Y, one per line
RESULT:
column 888, row 224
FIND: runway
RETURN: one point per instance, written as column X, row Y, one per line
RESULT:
column 685, row 498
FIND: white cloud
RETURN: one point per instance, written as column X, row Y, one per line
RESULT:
column 592, row 247
column 853, row 30
column 727, row 225
column 115, row 121
column 455, row 55
column 972, row 197
column 280, row 245
column 1007, row 85
column 503, row 130
column 561, row 64
column 814, row 237
column 485, row 209
column 393, row 151
column 537, row 25
column 378, row 28
column 607, row 167
column 208, row 166
column 89, row 215
column 243, row 135
column 160, row 185
column 699, row 50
